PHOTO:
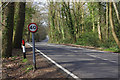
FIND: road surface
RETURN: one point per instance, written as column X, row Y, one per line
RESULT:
column 84, row 63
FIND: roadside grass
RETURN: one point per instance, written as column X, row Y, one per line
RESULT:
column 112, row 49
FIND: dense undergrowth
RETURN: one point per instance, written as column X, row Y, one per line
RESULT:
column 91, row 39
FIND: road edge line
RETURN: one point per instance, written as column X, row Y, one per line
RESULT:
column 65, row 70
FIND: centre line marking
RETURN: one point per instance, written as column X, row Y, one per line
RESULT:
column 65, row 70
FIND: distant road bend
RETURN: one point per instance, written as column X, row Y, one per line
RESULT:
column 82, row 62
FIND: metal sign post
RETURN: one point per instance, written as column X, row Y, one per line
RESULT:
column 34, row 58
column 32, row 27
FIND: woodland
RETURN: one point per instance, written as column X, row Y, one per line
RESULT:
column 94, row 24
column 16, row 16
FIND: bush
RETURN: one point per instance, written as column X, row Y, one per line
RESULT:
column 67, row 41
column 108, row 43
column 89, row 39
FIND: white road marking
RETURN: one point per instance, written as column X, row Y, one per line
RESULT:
column 102, row 51
column 113, row 61
column 75, row 51
column 101, row 58
column 98, row 56
column 105, row 59
column 95, row 55
column 65, row 70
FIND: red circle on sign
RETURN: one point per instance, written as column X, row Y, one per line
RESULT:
column 36, row 27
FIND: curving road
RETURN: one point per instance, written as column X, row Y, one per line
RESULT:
column 84, row 63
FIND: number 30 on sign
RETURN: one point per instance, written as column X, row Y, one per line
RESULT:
column 32, row 27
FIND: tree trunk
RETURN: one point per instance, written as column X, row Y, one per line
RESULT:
column 82, row 20
column 8, row 30
column 99, row 27
column 112, row 26
column 0, row 14
column 70, row 22
column 52, row 23
column 20, row 25
column 119, row 7
column 107, row 20
column 28, row 36
column 63, row 24
column 117, row 13
column 0, row 27
column 93, row 20
column 99, row 31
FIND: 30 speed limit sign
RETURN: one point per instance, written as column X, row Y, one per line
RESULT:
column 32, row 27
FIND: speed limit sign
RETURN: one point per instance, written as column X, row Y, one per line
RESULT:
column 32, row 27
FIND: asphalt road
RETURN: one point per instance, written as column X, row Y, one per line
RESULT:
column 85, row 63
